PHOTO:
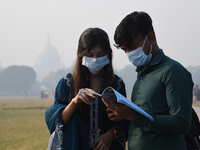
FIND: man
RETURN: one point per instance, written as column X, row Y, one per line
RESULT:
column 163, row 89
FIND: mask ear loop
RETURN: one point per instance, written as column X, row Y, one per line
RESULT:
column 150, row 50
column 144, row 41
column 84, row 59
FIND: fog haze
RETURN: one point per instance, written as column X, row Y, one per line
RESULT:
column 25, row 26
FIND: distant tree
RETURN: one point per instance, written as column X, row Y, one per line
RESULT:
column 129, row 75
column 35, row 88
column 1, row 70
column 51, row 80
column 195, row 71
column 16, row 79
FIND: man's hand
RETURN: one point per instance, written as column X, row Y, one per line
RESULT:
column 118, row 111
column 113, row 116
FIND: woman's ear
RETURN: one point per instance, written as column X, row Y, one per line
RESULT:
column 151, row 38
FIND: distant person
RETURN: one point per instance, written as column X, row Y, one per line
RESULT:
column 46, row 94
column 52, row 93
column 84, row 116
column 163, row 89
column 42, row 94
column 25, row 94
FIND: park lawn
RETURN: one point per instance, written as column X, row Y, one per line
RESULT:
column 22, row 123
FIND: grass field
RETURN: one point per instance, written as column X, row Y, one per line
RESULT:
column 22, row 123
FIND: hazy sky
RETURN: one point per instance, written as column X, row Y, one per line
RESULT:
column 25, row 24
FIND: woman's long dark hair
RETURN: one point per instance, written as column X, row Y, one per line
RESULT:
column 88, row 40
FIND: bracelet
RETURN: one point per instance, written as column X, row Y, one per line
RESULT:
column 115, row 133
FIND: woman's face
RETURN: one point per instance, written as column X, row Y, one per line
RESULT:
column 96, row 52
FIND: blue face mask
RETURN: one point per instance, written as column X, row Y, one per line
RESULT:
column 138, row 58
column 95, row 64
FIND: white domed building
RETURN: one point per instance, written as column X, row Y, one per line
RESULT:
column 47, row 61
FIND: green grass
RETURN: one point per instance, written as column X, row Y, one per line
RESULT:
column 22, row 123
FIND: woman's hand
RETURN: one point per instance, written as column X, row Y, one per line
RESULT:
column 80, row 97
column 84, row 97
column 104, row 141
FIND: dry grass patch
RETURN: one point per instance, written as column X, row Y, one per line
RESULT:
column 22, row 123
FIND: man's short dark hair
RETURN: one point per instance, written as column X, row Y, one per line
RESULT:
column 136, row 24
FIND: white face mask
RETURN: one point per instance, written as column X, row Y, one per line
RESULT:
column 138, row 58
column 95, row 64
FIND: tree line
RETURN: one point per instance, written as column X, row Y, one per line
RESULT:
column 16, row 80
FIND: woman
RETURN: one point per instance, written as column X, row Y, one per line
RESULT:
column 81, row 118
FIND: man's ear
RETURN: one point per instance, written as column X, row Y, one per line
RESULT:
column 151, row 38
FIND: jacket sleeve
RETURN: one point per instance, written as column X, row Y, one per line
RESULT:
column 62, row 94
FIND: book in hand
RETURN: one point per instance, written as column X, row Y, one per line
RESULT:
column 115, row 95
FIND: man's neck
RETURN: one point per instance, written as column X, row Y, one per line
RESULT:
column 155, row 51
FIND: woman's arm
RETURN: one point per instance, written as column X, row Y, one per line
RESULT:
column 53, row 115
column 70, row 108
column 62, row 110
column 68, row 111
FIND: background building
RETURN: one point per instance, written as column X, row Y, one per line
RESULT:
column 47, row 61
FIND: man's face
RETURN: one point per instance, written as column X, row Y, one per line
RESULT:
column 138, row 42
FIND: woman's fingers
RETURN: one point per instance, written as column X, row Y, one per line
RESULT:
column 86, row 97
column 90, row 94
column 83, row 98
